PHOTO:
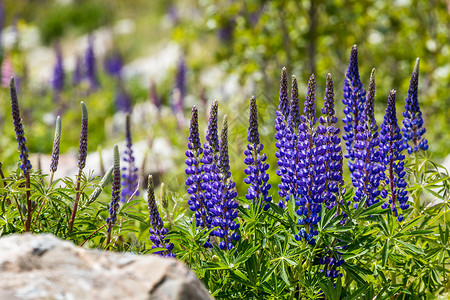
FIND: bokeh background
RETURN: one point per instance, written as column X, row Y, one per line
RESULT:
column 156, row 59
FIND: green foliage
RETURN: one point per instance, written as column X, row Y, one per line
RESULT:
column 383, row 258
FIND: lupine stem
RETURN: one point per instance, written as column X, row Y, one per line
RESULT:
column 2, row 175
column 417, row 195
column 81, row 161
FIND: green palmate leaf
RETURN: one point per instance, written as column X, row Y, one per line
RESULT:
column 138, row 217
column 411, row 247
column 360, row 293
column 245, row 256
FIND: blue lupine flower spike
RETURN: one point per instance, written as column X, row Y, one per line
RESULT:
column 129, row 171
column 157, row 230
column 330, row 146
column 294, row 113
column 225, row 211
column 367, row 170
column 257, row 177
column 354, row 98
column 283, row 141
column 391, row 151
column 197, row 201
column 413, row 129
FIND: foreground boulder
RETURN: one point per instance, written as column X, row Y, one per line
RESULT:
column 45, row 267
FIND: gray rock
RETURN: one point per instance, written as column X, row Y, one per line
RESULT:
column 45, row 267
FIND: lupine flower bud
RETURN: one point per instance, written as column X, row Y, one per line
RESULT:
column 283, row 104
column 115, row 197
column 157, row 230
column 18, row 128
column 257, row 177
column 391, row 148
column 129, row 172
column 413, row 129
column 295, row 108
column 56, row 142
column 98, row 190
column 83, row 137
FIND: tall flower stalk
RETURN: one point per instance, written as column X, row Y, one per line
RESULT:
column 391, row 151
column 257, row 177
column 225, row 212
column 367, row 169
column 22, row 147
column 157, row 230
column 330, row 146
column 115, row 196
column 194, row 170
column 82, row 154
column 210, row 164
column 283, row 141
column 90, row 64
column 311, row 169
column 413, row 129
column 129, row 171
column 354, row 98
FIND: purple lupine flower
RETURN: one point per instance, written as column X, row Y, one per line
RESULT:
column 58, row 71
column 391, row 147
column 113, row 64
column 157, row 230
column 331, row 146
column 83, row 137
column 115, row 197
column 18, row 128
column 78, row 71
column 129, row 172
column 122, row 99
column 413, row 129
column 225, row 212
column 210, row 176
column 282, row 143
column 354, row 98
column 367, row 170
column 311, row 179
column 56, row 143
column 197, row 202
column 90, row 64
column 257, row 177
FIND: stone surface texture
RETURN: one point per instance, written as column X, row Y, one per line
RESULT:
column 45, row 267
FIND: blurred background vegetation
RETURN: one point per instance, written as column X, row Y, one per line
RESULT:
column 230, row 50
